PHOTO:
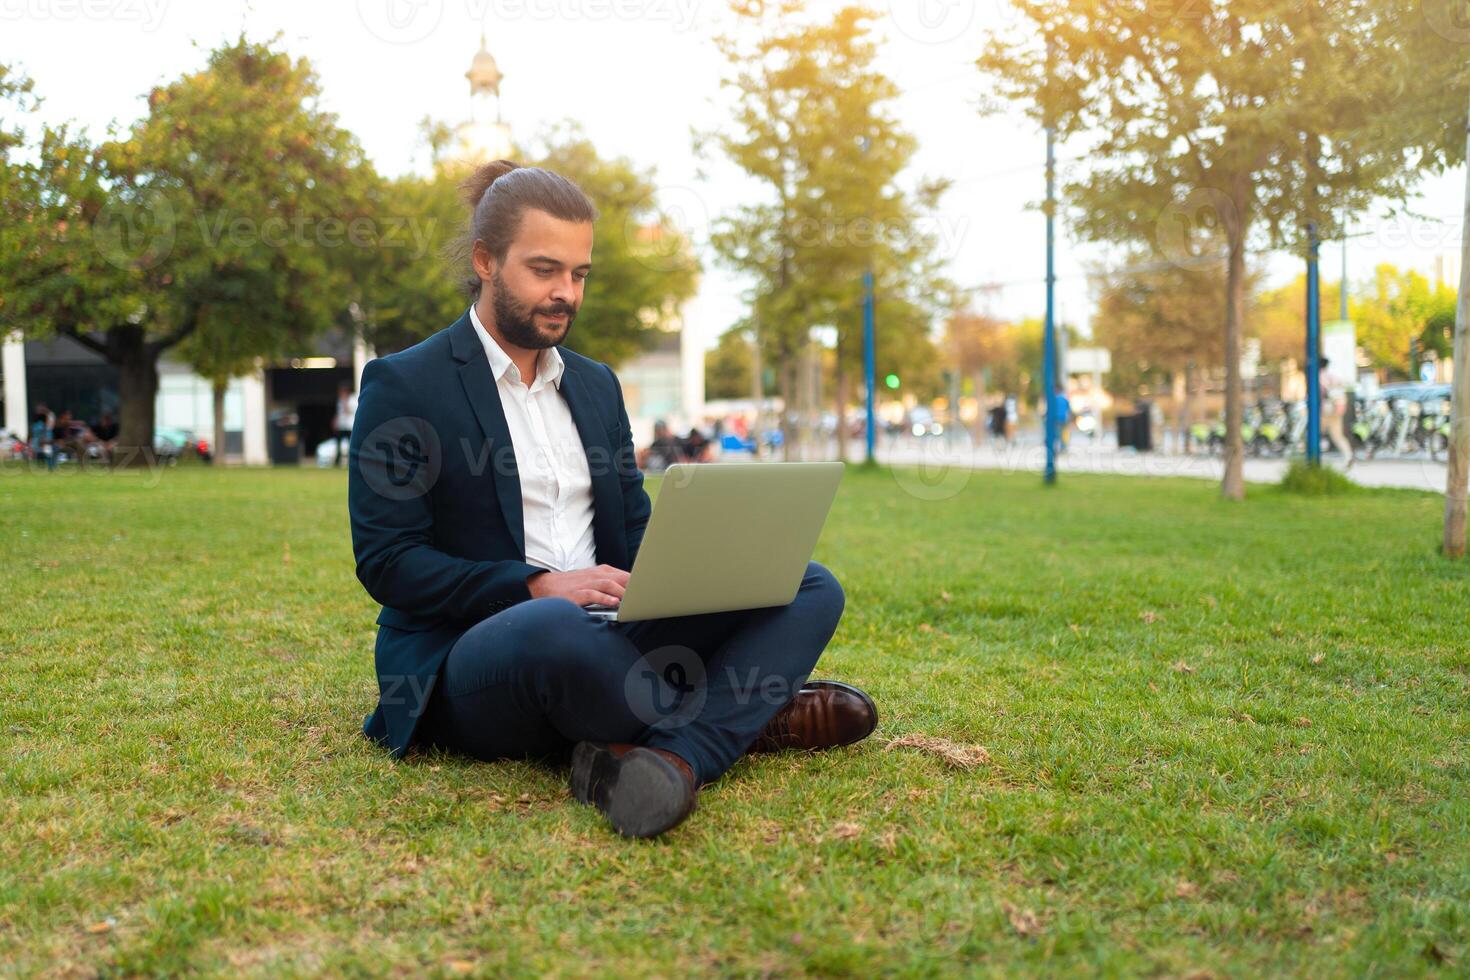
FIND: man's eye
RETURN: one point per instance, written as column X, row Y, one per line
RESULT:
column 583, row 275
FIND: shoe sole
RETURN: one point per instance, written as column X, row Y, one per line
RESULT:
column 640, row 793
column 583, row 756
column 861, row 695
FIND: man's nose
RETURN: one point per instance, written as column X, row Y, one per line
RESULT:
column 564, row 290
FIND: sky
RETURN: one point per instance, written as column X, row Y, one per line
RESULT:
column 638, row 76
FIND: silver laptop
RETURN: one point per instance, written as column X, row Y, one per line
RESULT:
column 727, row 536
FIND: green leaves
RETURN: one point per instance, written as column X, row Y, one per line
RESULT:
column 227, row 220
column 1244, row 119
column 811, row 125
column 271, row 203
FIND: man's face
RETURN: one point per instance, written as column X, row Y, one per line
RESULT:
column 538, row 289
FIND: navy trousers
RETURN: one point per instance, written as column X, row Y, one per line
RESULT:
column 535, row 679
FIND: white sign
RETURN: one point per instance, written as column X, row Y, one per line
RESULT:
column 1089, row 360
column 1340, row 347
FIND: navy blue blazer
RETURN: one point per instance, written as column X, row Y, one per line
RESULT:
column 434, row 496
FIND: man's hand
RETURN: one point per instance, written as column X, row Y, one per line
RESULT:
column 602, row 584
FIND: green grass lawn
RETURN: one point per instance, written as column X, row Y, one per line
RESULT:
column 1222, row 739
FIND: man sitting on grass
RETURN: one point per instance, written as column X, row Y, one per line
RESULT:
column 493, row 493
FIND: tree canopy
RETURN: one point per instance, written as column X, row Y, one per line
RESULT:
column 221, row 221
column 1234, row 121
column 813, row 126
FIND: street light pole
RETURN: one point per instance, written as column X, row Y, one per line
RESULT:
column 870, row 370
column 1049, row 368
column 1314, row 328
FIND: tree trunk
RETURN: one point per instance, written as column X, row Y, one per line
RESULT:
column 137, row 389
column 1232, row 486
column 1459, row 470
column 978, row 380
column 217, row 439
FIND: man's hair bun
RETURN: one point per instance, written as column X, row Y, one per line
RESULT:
column 477, row 183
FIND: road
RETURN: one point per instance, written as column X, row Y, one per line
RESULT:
column 937, row 456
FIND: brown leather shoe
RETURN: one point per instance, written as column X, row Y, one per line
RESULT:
column 823, row 715
column 643, row 791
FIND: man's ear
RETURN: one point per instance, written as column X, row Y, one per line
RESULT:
column 482, row 261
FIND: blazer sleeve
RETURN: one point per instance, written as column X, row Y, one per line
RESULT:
column 394, row 462
column 636, row 506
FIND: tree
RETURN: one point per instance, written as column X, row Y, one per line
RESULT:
column 1394, row 315
column 1401, row 317
column 1024, row 375
column 1277, row 318
column 1252, row 117
column 727, row 368
column 1159, row 320
column 1009, row 353
column 222, row 218
column 1423, row 46
column 981, row 345
column 19, row 92
column 811, row 125
column 411, row 291
column 1458, row 471
column 54, row 276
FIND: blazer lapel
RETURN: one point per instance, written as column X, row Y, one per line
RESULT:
column 479, row 388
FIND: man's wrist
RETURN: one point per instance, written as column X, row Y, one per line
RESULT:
column 538, row 573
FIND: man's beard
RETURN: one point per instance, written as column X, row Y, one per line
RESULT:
column 516, row 321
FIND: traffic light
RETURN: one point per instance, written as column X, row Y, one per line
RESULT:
column 891, row 381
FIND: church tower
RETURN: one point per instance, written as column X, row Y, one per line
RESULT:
column 484, row 136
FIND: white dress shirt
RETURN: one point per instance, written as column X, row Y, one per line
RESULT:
column 346, row 413
column 556, row 485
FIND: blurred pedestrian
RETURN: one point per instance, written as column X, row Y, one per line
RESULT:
column 1334, row 411
column 696, row 447
column 41, row 448
column 663, row 452
column 342, row 421
column 67, row 435
column 104, row 432
column 1063, row 407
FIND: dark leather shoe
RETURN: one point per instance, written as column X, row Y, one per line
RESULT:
column 823, row 715
column 643, row 791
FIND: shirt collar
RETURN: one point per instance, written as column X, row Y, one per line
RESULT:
column 549, row 365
